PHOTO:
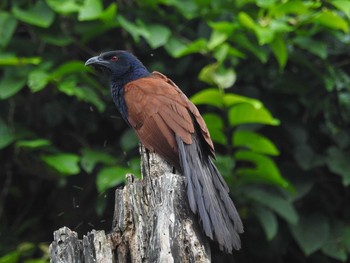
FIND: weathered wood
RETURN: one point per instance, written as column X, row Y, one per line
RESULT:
column 97, row 247
column 66, row 247
column 154, row 219
column 152, row 223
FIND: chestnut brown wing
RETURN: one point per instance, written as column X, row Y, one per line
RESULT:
column 157, row 110
column 194, row 111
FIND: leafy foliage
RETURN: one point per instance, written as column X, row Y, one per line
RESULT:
column 270, row 77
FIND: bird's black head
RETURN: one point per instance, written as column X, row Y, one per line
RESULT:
column 121, row 66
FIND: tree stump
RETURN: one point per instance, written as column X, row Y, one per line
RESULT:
column 152, row 223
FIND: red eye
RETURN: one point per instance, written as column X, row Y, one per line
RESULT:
column 114, row 58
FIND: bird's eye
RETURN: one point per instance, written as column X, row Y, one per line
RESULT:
column 114, row 58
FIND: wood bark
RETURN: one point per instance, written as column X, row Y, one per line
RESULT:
column 152, row 223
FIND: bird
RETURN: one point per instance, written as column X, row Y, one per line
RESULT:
column 169, row 124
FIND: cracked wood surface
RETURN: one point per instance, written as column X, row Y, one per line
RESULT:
column 152, row 223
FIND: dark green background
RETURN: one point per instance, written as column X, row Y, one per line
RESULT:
column 270, row 77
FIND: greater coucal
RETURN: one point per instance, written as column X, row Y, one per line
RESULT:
column 168, row 123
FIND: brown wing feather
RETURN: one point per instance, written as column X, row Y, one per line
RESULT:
column 193, row 109
column 157, row 110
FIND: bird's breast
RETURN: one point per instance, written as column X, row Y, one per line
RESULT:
column 119, row 101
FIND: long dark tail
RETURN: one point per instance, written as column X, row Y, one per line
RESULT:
column 208, row 195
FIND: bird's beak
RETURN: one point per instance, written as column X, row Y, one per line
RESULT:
column 91, row 61
column 97, row 61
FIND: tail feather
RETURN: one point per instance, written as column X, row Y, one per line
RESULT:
column 208, row 196
column 195, row 194
column 230, row 207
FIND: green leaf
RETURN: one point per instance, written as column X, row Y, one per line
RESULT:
column 6, row 136
column 266, row 3
column 90, row 10
column 129, row 140
column 254, row 141
column 291, row 7
column 216, row 128
column 209, row 97
column 280, row 26
column 89, row 95
column 247, row 44
column 135, row 30
column 263, row 170
column 135, row 168
column 274, row 202
column 64, row 163
column 197, row 46
column 221, row 32
column 7, row 59
column 267, row 220
column 225, row 164
column 109, row 14
column 264, row 35
column 280, row 51
column 222, row 26
column 68, row 68
column 12, row 82
column 234, row 52
column 216, row 39
column 8, row 25
column 342, row 5
column 38, row 15
column 221, row 52
column 175, row 46
column 64, row 7
column 110, row 177
column 188, row 9
column 37, row 80
column 311, row 232
column 33, row 144
column 336, row 246
column 225, row 77
column 203, row 3
column 338, row 162
column 178, row 47
column 246, row 113
column 306, row 157
column 11, row 257
column 302, row 187
column 53, row 38
column 217, row 74
column 69, row 87
column 25, row 247
column 158, row 35
column 246, row 20
column 90, row 158
column 207, row 74
column 231, row 99
column 37, row 260
column 332, row 20
column 318, row 48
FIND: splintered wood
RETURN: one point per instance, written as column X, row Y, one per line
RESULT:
column 152, row 223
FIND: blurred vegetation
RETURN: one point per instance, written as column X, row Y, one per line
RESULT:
column 271, row 78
